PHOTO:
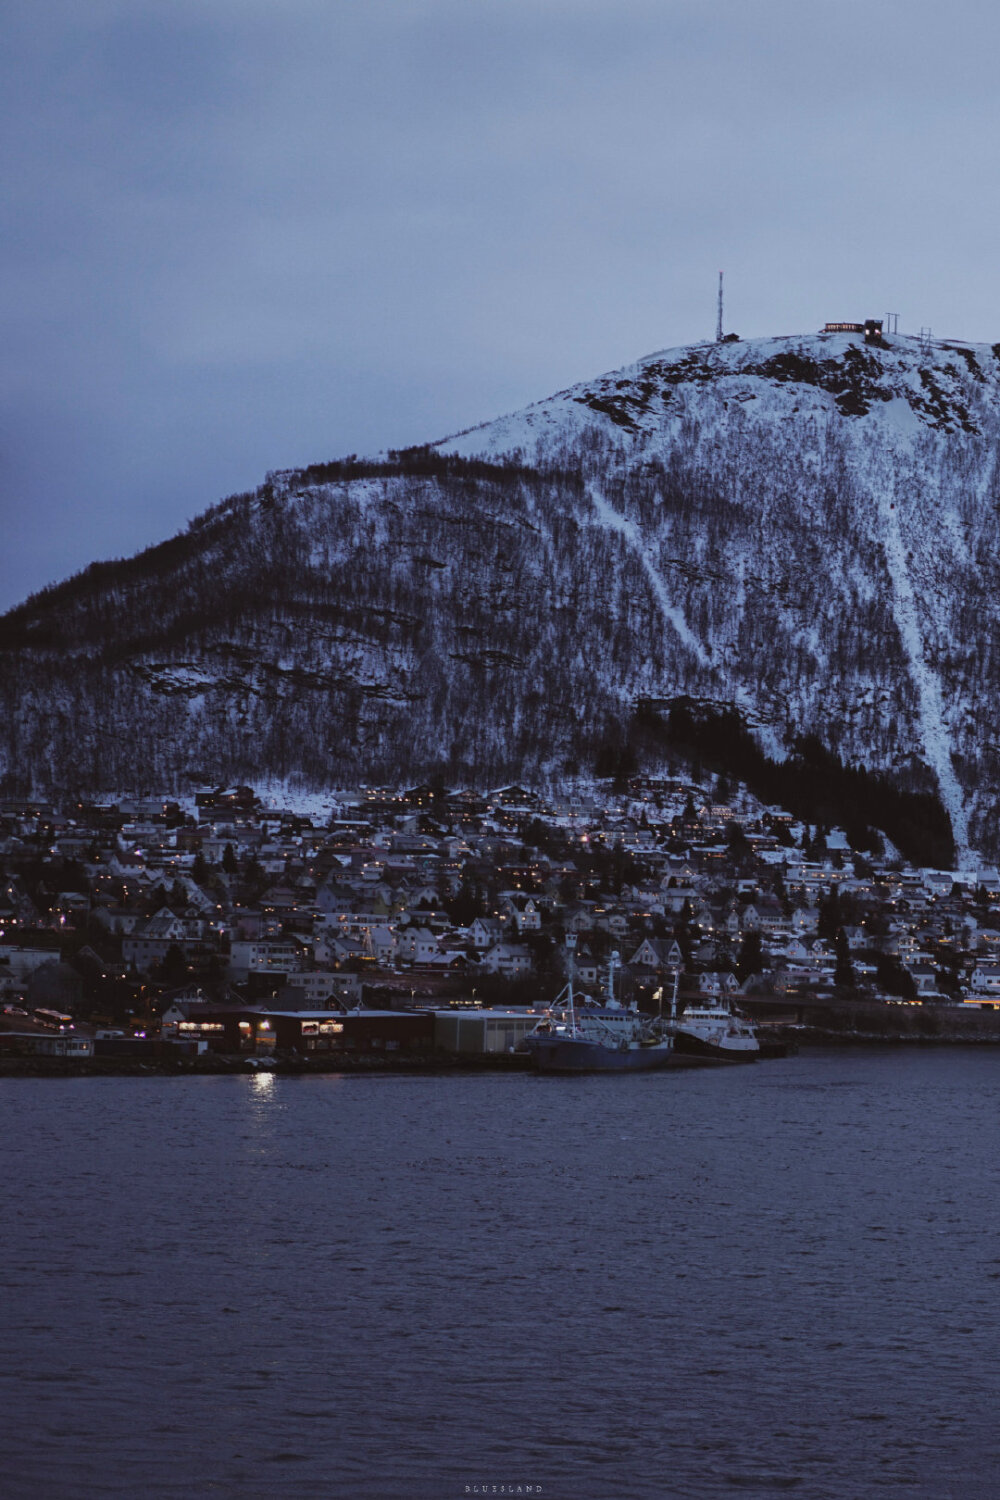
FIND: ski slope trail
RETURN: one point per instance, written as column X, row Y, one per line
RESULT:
column 935, row 739
column 613, row 520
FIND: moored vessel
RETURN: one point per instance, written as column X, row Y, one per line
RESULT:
column 581, row 1035
column 710, row 1030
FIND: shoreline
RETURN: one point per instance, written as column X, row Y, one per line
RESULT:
column 434, row 1064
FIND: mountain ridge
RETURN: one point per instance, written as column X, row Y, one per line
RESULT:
column 802, row 527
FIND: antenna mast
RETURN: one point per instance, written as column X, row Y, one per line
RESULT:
column 718, row 326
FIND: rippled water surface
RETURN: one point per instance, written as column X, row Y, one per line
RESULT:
column 770, row 1280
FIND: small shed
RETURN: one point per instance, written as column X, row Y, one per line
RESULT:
column 482, row 1030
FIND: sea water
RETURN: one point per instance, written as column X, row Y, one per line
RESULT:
column 776, row 1278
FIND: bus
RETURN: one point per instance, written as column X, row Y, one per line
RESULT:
column 56, row 1020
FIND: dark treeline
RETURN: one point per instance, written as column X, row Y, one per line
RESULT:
column 813, row 783
column 420, row 463
column 36, row 622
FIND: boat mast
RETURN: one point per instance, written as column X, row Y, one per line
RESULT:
column 613, row 963
column 569, row 988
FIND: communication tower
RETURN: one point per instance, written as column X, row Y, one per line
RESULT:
column 718, row 325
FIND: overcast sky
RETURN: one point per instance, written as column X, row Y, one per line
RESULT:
column 247, row 234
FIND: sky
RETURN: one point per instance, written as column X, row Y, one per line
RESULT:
column 237, row 235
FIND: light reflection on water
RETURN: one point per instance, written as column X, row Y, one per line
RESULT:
column 780, row 1279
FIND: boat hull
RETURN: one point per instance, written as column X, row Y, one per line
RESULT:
column 700, row 1049
column 573, row 1055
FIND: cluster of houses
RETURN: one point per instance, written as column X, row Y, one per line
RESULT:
column 196, row 919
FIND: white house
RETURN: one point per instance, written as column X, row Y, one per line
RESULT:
column 508, row 959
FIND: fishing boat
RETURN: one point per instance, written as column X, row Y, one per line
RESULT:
column 710, row 1030
column 580, row 1035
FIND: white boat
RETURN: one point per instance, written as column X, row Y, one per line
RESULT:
column 710, row 1030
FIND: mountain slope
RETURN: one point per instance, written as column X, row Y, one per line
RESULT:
column 805, row 528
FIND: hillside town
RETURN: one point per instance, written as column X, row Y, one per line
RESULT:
column 369, row 918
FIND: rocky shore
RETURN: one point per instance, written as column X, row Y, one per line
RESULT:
column 850, row 1021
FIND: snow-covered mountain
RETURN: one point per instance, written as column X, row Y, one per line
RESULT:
column 806, row 528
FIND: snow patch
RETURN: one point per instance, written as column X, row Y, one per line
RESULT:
column 613, row 520
column 930, row 707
